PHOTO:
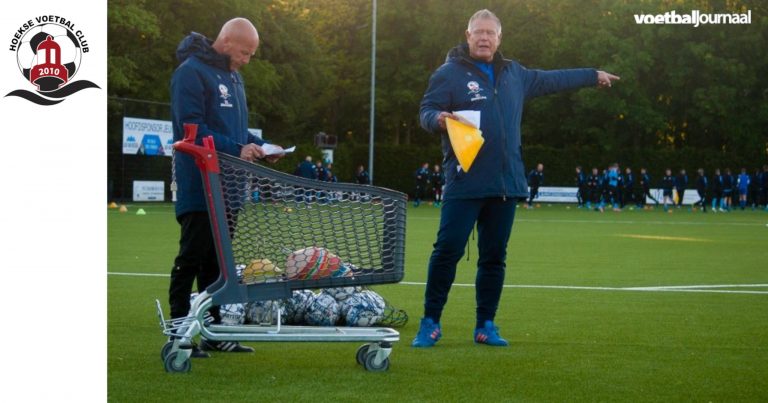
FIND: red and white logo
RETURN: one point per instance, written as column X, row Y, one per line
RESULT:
column 49, row 51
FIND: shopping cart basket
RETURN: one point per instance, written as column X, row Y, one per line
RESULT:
column 275, row 233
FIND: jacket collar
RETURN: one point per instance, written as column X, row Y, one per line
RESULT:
column 199, row 46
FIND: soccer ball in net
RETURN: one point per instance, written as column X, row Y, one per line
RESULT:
column 263, row 312
column 323, row 311
column 342, row 293
column 313, row 263
column 260, row 271
column 232, row 314
column 295, row 308
column 363, row 309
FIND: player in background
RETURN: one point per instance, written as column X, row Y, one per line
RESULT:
column 667, row 184
column 593, row 185
column 629, row 187
column 681, row 183
column 612, row 186
column 535, row 180
column 438, row 181
column 361, row 176
column 422, row 177
column 728, row 183
column 701, row 189
column 742, row 183
column 645, row 184
column 582, row 194
column 717, row 190
column 754, row 190
column 764, row 187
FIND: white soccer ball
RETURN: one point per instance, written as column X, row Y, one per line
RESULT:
column 232, row 314
column 363, row 309
column 323, row 311
column 263, row 312
column 342, row 293
column 295, row 308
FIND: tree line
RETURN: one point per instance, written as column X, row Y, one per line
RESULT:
column 682, row 88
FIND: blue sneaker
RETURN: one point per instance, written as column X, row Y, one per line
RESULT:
column 489, row 334
column 429, row 333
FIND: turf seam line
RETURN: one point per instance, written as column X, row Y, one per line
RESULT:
column 674, row 288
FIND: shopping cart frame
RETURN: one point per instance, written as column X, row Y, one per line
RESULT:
column 227, row 289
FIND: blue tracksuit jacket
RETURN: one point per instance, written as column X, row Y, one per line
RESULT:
column 459, row 84
column 206, row 92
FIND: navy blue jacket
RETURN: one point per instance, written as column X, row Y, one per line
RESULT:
column 206, row 92
column 629, row 183
column 668, row 182
column 681, row 181
column 535, row 178
column 307, row 170
column 701, row 184
column 458, row 85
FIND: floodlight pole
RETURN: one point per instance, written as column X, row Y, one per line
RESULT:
column 373, row 93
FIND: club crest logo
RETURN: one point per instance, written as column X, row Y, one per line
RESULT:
column 474, row 90
column 49, row 51
column 225, row 95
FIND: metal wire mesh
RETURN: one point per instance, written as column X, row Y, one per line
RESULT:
column 309, row 233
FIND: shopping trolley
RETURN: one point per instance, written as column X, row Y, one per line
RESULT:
column 264, row 222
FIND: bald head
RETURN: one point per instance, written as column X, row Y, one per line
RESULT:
column 239, row 40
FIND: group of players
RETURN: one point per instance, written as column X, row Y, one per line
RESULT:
column 720, row 192
column 433, row 180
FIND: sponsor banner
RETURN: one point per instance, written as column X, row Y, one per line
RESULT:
column 568, row 195
column 148, row 191
column 147, row 136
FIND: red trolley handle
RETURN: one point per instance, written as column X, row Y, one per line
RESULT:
column 205, row 155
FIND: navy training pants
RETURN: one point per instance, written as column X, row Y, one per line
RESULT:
column 494, row 218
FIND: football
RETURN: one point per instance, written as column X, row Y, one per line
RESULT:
column 363, row 309
column 295, row 308
column 263, row 312
column 342, row 293
column 232, row 314
column 323, row 311
column 260, row 271
column 314, row 263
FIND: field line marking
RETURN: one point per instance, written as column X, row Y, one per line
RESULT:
column 114, row 273
column 655, row 222
column 656, row 289
column 673, row 288
column 679, row 287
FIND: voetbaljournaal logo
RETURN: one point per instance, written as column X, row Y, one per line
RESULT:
column 49, row 50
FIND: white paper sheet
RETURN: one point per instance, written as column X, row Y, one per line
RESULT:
column 271, row 149
column 471, row 118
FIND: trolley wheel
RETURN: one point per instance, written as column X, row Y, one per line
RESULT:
column 171, row 366
column 165, row 350
column 362, row 351
column 369, row 364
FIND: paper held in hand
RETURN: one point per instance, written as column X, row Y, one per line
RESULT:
column 271, row 149
column 466, row 141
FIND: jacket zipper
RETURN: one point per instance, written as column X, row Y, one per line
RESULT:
column 235, row 83
column 501, row 121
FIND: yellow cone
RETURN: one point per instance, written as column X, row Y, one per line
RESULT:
column 123, row 209
column 113, row 205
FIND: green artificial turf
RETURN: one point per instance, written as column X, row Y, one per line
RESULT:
column 593, row 341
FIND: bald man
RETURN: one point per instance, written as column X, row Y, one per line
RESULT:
column 207, row 89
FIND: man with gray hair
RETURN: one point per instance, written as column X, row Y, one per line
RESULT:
column 476, row 78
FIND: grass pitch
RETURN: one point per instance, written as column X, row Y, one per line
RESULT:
column 631, row 306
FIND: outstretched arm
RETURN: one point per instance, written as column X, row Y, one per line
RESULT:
column 543, row 82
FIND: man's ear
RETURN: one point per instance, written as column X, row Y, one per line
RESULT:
column 467, row 33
